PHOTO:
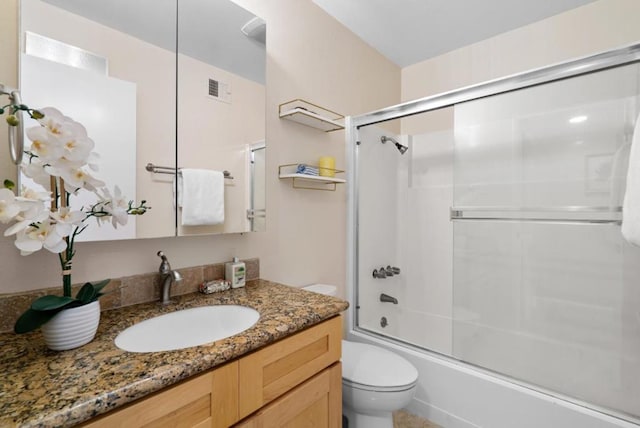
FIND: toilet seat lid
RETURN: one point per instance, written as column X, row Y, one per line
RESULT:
column 375, row 366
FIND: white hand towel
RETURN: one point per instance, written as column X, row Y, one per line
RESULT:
column 202, row 197
column 631, row 204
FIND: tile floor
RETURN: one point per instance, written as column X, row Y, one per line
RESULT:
column 403, row 419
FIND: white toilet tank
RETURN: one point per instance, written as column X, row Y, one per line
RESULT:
column 326, row 289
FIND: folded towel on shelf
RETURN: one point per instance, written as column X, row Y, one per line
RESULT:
column 306, row 169
column 201, row 195
column 631, row 205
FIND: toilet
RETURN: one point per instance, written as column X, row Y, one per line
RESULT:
column 375, row 381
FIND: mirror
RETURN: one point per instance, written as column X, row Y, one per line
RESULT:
column 221, row 115
column 111, row 65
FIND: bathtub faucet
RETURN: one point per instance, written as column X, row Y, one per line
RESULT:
column 392, row 270
column 380, row 274
column 388, row 299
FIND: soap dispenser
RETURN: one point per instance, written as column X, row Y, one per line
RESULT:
column 235, row 273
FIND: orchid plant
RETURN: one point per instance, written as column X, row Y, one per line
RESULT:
column 61, row 161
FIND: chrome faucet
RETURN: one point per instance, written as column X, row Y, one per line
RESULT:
column 392, row 270
column 380, row 274
column 170, row 277
column 387, row 272
column 388, row 299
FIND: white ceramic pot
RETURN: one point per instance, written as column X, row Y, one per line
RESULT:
column 72, row 328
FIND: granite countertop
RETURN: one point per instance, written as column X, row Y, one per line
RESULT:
column 43, row 388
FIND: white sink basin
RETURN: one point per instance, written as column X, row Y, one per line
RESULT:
column 186, row 328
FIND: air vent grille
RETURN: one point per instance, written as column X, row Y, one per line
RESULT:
column 220, row 90
column 214, row 88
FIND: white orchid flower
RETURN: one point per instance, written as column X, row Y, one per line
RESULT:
column 32, row 209
column 47, row 146
column 92, row 161
column 32, row 212
column 78, row 178
column 9, row 207
column 30, row 195
column 62, row 159
column 76, row 145
column 37, row 171
column 66, row 219
column 116, row 205
column 78, row 149
column 53, row 120
column 38, row 236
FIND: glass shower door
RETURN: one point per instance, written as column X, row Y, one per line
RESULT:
column 545, row 289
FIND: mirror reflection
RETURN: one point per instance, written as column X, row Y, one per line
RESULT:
column 221, row 117
column 111, row 65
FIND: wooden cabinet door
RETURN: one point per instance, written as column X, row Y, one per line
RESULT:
column 317, row 403
column 276, row 369
column 208, row 400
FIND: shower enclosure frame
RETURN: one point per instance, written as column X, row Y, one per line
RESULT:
column 585, row 65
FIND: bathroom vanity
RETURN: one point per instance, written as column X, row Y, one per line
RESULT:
column 281, row 372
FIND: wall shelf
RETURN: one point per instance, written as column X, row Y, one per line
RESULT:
column 312, row 115
column 307, row 181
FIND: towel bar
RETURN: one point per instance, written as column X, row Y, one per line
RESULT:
column 171, row 170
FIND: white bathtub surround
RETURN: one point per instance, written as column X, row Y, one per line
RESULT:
column 456, row 395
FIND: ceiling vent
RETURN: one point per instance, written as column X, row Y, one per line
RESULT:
column 220, row 91
column 256, row 29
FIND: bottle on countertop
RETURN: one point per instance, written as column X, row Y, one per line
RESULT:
column 235, row 273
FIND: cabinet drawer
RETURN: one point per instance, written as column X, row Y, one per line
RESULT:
column 208, row 400
column 317, row 403
column 272, row 371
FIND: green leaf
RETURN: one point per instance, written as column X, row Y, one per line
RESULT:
column 9, row 184
column 100, row 285
column 86, row 293
column 91, row 292
column 48, row 303
column 32, row 320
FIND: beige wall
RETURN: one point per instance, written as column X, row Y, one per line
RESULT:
column 8, row 76
column 598, row 26
column 310, row 56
